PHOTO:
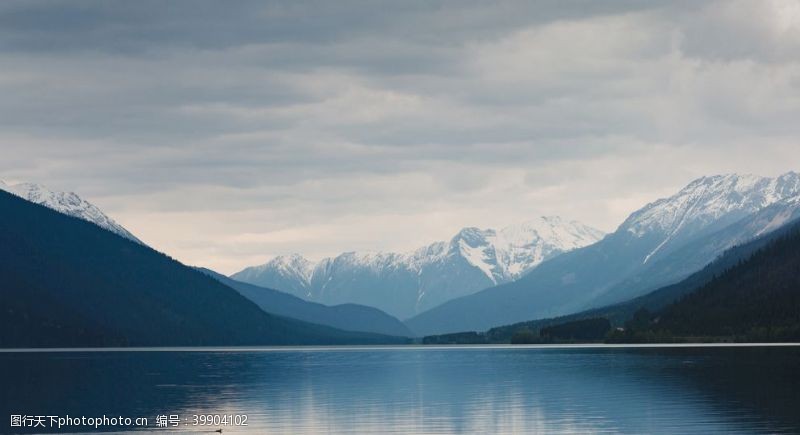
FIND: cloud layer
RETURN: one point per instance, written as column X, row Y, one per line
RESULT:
column 227, row 133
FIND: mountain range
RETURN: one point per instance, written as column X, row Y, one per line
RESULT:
column 660, row 244
column 348, row 317
column 656, row 301
column 406, row 284
column 67, row 282
column 76, row 277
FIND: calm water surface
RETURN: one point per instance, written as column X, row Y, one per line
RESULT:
column 412, row 390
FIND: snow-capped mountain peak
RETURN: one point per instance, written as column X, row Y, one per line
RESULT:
column 709, row 198
column 68, row 203
column 294, row 264
column 521, row 247
column 471, row 260
column 708, row 203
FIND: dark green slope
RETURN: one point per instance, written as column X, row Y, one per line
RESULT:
column 348, row 317
column 757, row 299
column 67, row 282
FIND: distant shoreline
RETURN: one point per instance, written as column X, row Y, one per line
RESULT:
column 234, row 349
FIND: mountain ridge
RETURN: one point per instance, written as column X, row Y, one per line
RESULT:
column 658, row 299
column 471, row 260
column 578, row 279
column 68, row 283
column 68, row 203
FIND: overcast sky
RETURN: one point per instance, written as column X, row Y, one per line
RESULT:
column 225, row 133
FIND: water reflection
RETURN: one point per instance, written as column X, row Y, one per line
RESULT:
column 696, row 390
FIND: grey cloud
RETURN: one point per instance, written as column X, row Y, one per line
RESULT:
column 765, row 31
column 322, row 118
column 138, row 27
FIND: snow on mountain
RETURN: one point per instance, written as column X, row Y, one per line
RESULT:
column 524, row 246
column 660, row 244
column 708, row 203
column 290, row 273
column 506, row 254
column 408, row 283
column 67, row 203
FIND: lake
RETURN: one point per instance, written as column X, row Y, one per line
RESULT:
column 427, row 390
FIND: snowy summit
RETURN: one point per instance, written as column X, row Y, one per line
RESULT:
column 407, row 283
column 68, row 203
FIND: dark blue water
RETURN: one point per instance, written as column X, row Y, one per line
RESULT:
column 431, row 390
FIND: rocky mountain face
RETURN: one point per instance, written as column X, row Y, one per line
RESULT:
column 409, row 283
